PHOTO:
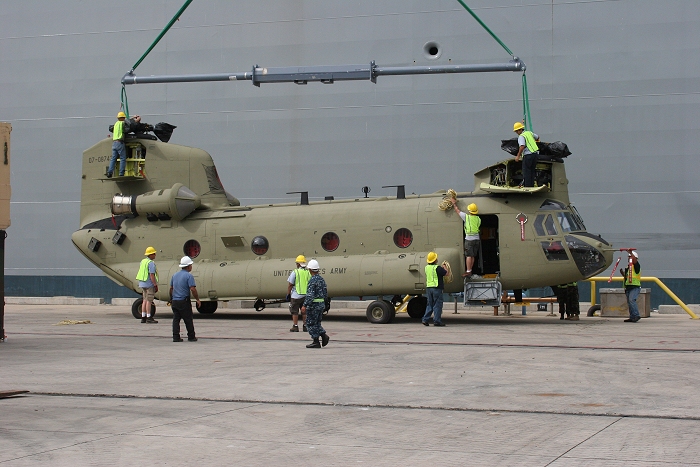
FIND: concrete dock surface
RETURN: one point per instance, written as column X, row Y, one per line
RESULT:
column 484, row 390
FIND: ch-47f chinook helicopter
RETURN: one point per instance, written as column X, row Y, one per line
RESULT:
column 171, row 198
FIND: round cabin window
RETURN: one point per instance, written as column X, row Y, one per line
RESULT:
column 259, row 245
column 330, row 241
column 403, row 238
column 192, row 248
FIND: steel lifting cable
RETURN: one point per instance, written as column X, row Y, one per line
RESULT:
column 124, row 100
column 526, row 102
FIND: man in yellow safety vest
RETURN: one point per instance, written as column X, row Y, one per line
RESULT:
column 297, row 283
column 148, row 281
column 633, row 285
column 528, row 151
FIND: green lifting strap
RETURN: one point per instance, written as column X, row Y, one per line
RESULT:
column 124, row 101
column 526, row 102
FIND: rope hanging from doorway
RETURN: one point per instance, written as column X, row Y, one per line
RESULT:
column 526, row 102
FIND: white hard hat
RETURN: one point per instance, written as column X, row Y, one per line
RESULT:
column 634, row 253
column 186, row 261
column 313, row 265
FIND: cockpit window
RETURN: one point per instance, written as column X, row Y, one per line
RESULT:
column 550, row 204
column 549, row 225
column 539, row 229
column 568, row 222
column 554, row 251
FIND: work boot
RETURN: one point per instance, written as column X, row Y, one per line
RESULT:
column 314, row 345
column 143, row 320
column 324, row 339
column 192, row 339
column 562, row 316
column 177, row 339
column 574, row 318
column 568, row 317
column 150, row 320
column 295, row 328
column 306, row 329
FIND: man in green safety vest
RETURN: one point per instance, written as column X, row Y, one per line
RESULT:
column 472, row 237
column 633, row 285
column 148, row 281
column 119, row 131
column 434, row 285
column 528, row 151
column 297, row 283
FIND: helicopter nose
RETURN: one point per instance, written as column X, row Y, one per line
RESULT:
column 591, row 253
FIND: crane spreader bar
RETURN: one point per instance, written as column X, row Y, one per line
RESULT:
column 324, row 74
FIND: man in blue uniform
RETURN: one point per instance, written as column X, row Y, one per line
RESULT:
column 181, row 286
column 315, row 305
column 434, row 285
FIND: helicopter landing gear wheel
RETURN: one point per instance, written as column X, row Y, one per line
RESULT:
column 208, row 308
column 592, row 310
column 416, row 307
column 380, row 312
column 136, row 308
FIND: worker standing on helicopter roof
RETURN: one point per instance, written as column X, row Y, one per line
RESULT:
column 121, row 127
column 472, row 238
column 528, row 150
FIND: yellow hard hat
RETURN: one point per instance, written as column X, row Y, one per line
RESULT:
column 121, row 115
column 518, row 126
column 150, row 251
column 473, row 209
column 301, row 259
column 432, row 257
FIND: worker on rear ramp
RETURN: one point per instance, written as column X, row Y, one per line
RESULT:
column 528, row 151
column 296, row 291
column 434, row 285
column 472, row 238
column 315, row 305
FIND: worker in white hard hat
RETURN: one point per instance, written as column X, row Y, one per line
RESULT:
column 119, row 131
column 148, row 281
column 528, row 151
column 315, row 305
column 296, row 291
column 182, row 286
column 472, row 236
column 434, row 285
column 633, row 284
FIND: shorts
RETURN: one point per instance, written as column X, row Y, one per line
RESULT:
column 295, row 305
column 149, row 294
column 471, row 248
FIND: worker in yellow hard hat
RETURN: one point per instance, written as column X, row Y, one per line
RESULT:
column 148, row 281
column 434, row 285
column 296, row 292
column 528, row 151
column 472, row 237
column 121, row 127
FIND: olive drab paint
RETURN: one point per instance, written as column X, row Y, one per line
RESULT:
column 243, row 252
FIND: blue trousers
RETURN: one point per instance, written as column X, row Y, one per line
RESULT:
column 314, row 315
column 434, row 305
column 632, row 294
column 118, row 150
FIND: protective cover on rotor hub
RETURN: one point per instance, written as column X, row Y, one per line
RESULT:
column 176, row 203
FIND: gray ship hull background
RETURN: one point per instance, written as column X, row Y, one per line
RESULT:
column 613, row 79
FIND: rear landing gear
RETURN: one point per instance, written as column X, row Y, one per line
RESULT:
column 136, row 308
column 380, row 312
column 416, row 307
column 208, row 308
